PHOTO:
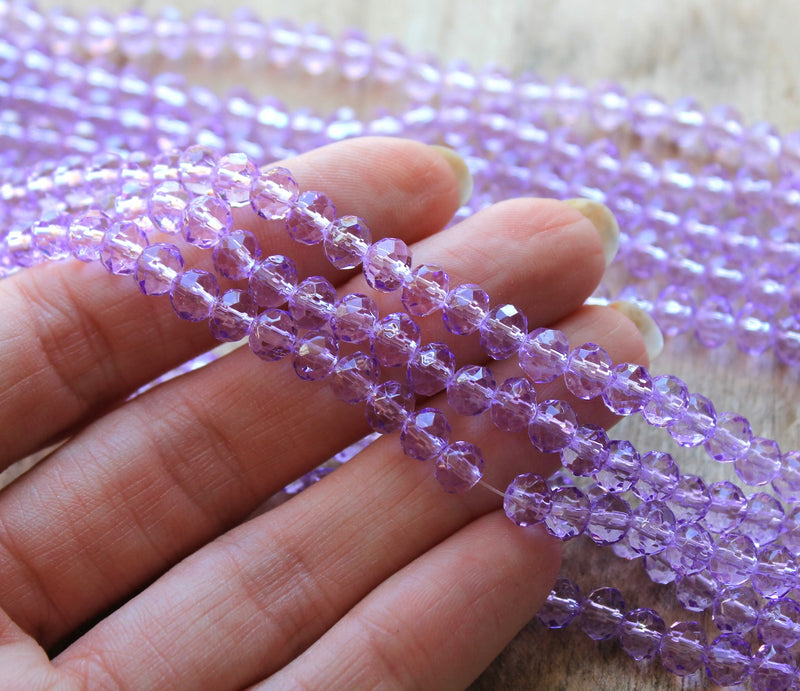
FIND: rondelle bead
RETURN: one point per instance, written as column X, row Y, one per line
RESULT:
column 697, row 423
column 733, row 561
column 736, row 609
column 689, row 500
column 658, row 569
column 752, row 330
column 588, row 371
column 650, row 528
column 728, row 660
column 157, row 268
column 553, row 427
column 714, row 321
column 763, row 519
column 787, row 483
column 562, row 605
column 640, row 633
column 760, row 464
column 354, row 377
column 233, row 178
column 273, row 280
column 232, row 315
column 629, row 390
column 430, row 369
column 459, row 467
column 668, row 401
column 166, row 206
column 465, row 308
column 354, row 317
column 346, row 241
column 395, row 339
column 543, row 355
column 273, row 193
column 196, row 167
column 779, row 622
column 425, row 433
column 726, row 508
column 787, row 341
column 621, row 467
column 609, row 519
column 773, row 669
column 388, row 406
column 690, row 549
column 471, row 389
column 387, row 265
column 205, row 220
column 49, row 234
column 236, row 254
column 776, row 571
column 426, row 291
column 569, row 513
column 587, row 451
column 513, row 404
column 658, row 476
column 309, row 217
column 122, row 244
column 527, row 499
column 315, row 355
column 502, row 331
column 273, row 335
column 696, row 591
column 193, row 295
column 86, row 233
column 731, row 438
column 311, row 304
column 602, row 613
column 683, row 648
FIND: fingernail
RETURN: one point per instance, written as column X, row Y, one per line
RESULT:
column 602, row 219
column 653, row 338
column 459, row 166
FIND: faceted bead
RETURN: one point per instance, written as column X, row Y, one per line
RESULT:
column 431, row 368
column 465, row 308
column 683, row 648
column 728, row 660
column 527, row 499
column 727, row 507
column 791, row 531
column 696, row 591
column 166, row 206
column 543, row 355
column 697, row 423
column 157, row 267
column 273, row 280
column 773, row 669
column 787, row 482
column 205, row 220
column 588, row 371
column 651, row 528
column 388, row 406
column 346, row 241
column 736, row 609
column 121, row 247
column 309, row 217
column 354, row 377
column 763, row 519
column 779, row 622
column 787, row 341
column 733, row 560
column 193, row 295
column 569, row 513
column 640, row 633
column 315, row 356
column 691, row 549
column 459, row 467
column 354, row 317
column 689, row 500
column 602, row 613
column 233, row 177
column 562, row 605
column 629, row 390
column 311, row 304
column 587, row 452
column 502, row 331
column 387, row 265
column 232, row 315
column 513, row 404
column 658, row 476
column 731, row 438
column 776, row 571
column 236, row 254
column 714, row 322
column 196, row 168
column 471, row 390
column 658, row 569
column 553, row 427
column 86, row 234
column 753, row 330
column 102, row 178
column 273, row 194
column 621, row 468
column 761, row 463
column 49, row 234
column 425, row 434
column 395, row 339
column 426, row 291
column 609, row 519
column 674, row 310
column 273, row 335
column 668, row 401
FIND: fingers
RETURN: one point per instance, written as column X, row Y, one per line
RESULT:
column 76, row 338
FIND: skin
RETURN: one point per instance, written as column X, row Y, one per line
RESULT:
column 135, row 556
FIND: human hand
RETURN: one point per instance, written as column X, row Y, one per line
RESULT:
column 133, row 549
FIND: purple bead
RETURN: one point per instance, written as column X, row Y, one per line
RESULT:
column 471, row 390
column 714, row 322
column 346, row 241
column 354, row 317
column 193, row 295
column 733, row 560
column 658, row 569
column 609, row 519
column 728, row 660
column 395, row 339
column 621, row 468
column 689, row 500
column 761, row 463
column 640, row 633
column 233, row 177
column 425, row 434
column 731, row 438
column 696, row 591
column 674, row 310
column 683, row 648
column 727, row 507
column 387, row 265
column 658, row 476
column 513, row 404
column 587, row 452
column 602, row 613
column 736, row 609
column 166, row 206
column 121, row 247
column 787, row 482
column 232, row 315
column 465, row 308
column 553, row 427
column 205, row 220
column 459, row 467
column 431, row 369
column 779, row 622
column 273, row 335
column 236, row 254
column 527, row 499
column 668, row 401
column 650, row 528
column 273, row 194
column 691, row 549
column 787, row 341
column 309, row 218
column 315, row 356
column 776, row 571
column 157, row 268
column 773, row 669
column 763, row 519
column 753, row 331
column 86, row 233
column 196, row 168
column 50, row 235
column 629, row 390
column 569, row 513
column 426, row 291
column 502, row 331
column 388, row 406
column 562, row 605
column 311, row 304
column 543, row 355
column 354, row 377
column 588, row 371
column 697, row 423
column 273, row 280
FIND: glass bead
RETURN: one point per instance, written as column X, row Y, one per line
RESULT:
column 426, row 291
column 513, row 404
column 562, row 605
column 471, row 390
column 272, row 281
column 569, row 513
column 311, row 304
column 121, row 247
column 621, row 468
column 668, row 401
column 502, row 330
column 787, row 483
column 674, row 310
column 387, row 265
column 354, row 377
column 49, row 234
column 602, row 613
column 691, row 548
column 86, row 233
column 753, row 330
column 193, row 295
column 696, row 591
column 395, row 339
column 388, row 406
column 651, row 528
column 102, row 178
column 733, row 560
column 205, row 220
column 236, row 254
column 629, row 390
column 232, row 315
column 354, row 317
column 527, row 499
column 763, row 519
column 658, row 569
column 683, row 648
column 714, row 322
column 459, row 467
column 233, row 178
column 726, row 509
column 728, row 660
column 346, row 241
column 773, row 669
column 315, row 356
column 157, row 267
column 543, row 355
column 587, row 452
column 731, row 438
column 779, row 622
column 697, row 423
column 553, row 427
column 196, row 167
column 431, row 368
column 790, row 538
column 273, row 335
column 465, row 308
column 273, row 194
column 760, row 464
column 588, row 371
column 787, row 341
column 689, row 500
column 609, row 519
column 166, row 206
column 425, row 434
column 776, row 571
column 309, row 217
column 640, row 633
column 658, row 476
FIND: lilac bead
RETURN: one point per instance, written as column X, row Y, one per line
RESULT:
column 388, row 406
column 471, row 390
column 553, row 427
column 776, row 571
column 733, row 560
column 668, row 401
column 196, row 168
column 691, row 549
column 753, row 330
column 426, row 290
column 609, row 519
column 773, row 669
column 205, row 220
column 562, row 605
column 157, row 268
column 387, row 265
column 689, row 500
column 465, row 308
column 696, row 591
column 236, row 254
column 272, row 281
column 658, row 476
column 658, row 569
column 425, row 434
column 121, row 247
column 166, row 206
column 697, row 423
column 726, row 509
column 763, row 519
column 602, row 613
column 674, row 310
column 736, row 609
column 513, row 404
column 731, row 438
column 761, row 463
column 354, row 377
column 193, row 295
column 233, row 177
column 273, row 193
column 640, row 633
column 779, row 622
column 346, row 241
column 502, row 331
column 569, row 513
column 650, row 528
column 629, row 390
column 587, row 452
column 543, row 355
column 309, row 218
column 683, row 648
column 459, row 467
column 787, row 482
column 714, row 322
column 232, row 315
column 621, row 468
column 273, row 335
column 728, row 660
column 354, row 317
column 49, row 234
column 588, row 371
column 86, row 233
column 311, row 304
column 787, row 341
column 431, row 369
column 395, row 339
column 527, row 499
column 315, row 356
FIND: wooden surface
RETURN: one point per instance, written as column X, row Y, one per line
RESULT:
column 739, row 52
